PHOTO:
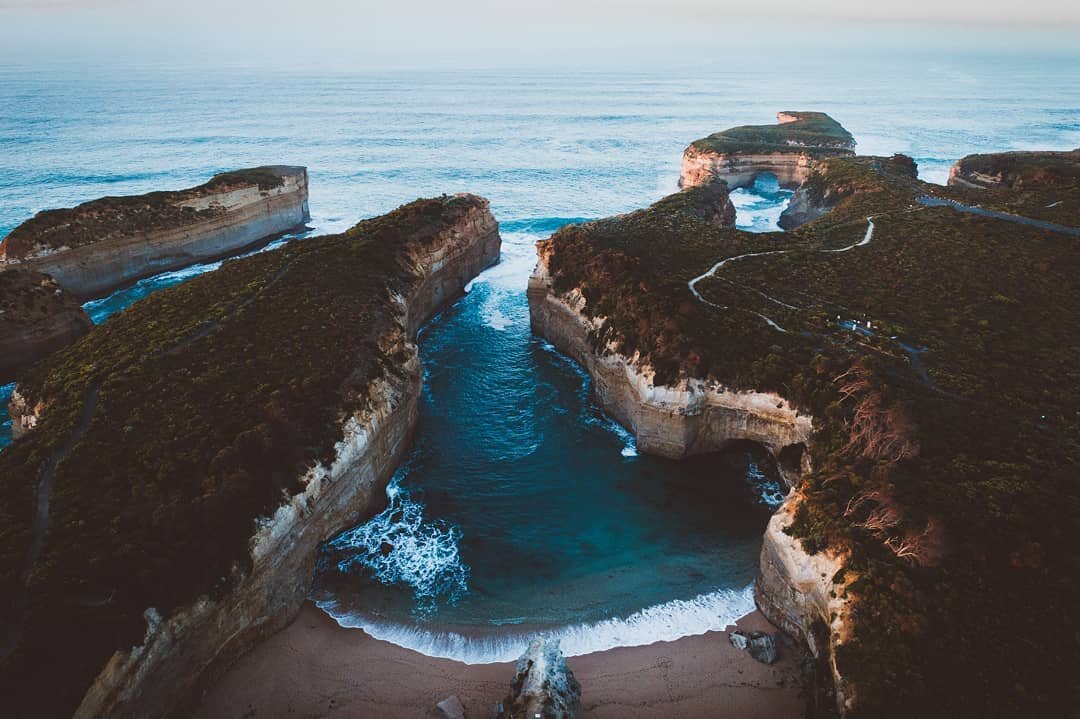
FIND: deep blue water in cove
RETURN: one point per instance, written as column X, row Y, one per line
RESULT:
column 522, row 507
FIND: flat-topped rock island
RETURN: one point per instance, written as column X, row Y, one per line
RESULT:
column 100, row 246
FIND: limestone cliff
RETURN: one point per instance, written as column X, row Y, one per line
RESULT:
column 184, row 651
column 355, row 303
column 100, row 246
column 37, row 318
column 693, row 417
column 803, row 594
column 1017, row 170
column 787, row 150
column 795, row 589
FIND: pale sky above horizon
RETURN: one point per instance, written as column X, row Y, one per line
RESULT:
column 402, row 31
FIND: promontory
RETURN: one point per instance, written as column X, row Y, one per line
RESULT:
column 186, row 458
column 908, row 357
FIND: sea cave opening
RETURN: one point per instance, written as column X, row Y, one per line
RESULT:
column 759, row 205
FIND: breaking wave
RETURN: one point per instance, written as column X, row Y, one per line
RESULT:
column 401, row 547
column 665, row 622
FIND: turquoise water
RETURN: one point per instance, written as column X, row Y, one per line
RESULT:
column 522, row 506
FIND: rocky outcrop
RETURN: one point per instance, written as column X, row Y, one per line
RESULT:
column 100, row 246
column 803, row 594
column 826, row 186
column 183, row 652
column 802, row 208
column 37, row 318
column 24, row 414
column 787, row 150
column 694, row 417
column 741, row 169
column 543, row 685
column 1016, row 170
column 761, row 645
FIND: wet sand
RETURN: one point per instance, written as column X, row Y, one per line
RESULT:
column 315, row 668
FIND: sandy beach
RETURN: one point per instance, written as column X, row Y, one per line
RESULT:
column 315, row 668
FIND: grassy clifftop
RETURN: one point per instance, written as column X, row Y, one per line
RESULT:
column 28, row 297
column 945, row 455
column 813, row 131
column 174, row 426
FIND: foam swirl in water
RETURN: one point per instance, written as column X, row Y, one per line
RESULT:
column 399, row 547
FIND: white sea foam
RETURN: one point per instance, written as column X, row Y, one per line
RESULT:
column 494, row 318
column 770, row 492
column 660, row 623
column 400, row 546
column 516, row 262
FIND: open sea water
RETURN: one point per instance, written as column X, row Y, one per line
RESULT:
column 523, row 507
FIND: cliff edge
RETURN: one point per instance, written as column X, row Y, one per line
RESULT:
column 902, row 322
column 787, row 149
column 192, row 453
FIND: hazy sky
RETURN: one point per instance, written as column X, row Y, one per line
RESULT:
column 424, row 32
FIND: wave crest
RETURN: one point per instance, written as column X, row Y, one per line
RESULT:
column 660, row 623
column 399, row 547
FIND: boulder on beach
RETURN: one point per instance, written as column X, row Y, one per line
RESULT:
column 543, row 685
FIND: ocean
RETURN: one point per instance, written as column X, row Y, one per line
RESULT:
column 523, row 507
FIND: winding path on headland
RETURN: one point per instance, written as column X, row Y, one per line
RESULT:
column 692, row 284
column 913, row 353
column 928, row 201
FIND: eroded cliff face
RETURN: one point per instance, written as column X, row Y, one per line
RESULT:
column 804, row 595
column 693, row 417
column 795, row 590
column 195, row 227
column 182, row 653
column 787, row 150
column 741, row 169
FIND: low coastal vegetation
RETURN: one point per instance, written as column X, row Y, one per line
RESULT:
column 234, row 384
column 27, row 298
column 108, row 217
column 814, row 130
column 936, row 351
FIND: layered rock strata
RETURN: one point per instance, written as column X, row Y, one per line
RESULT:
column 693, row 417
column 801, row 593
column 100, row 246
column 787, row 150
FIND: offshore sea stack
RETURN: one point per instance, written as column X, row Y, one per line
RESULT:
column 787, row 150
column 267, row 414
column 103, row 245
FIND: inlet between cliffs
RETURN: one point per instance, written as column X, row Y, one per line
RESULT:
column 524, row 509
